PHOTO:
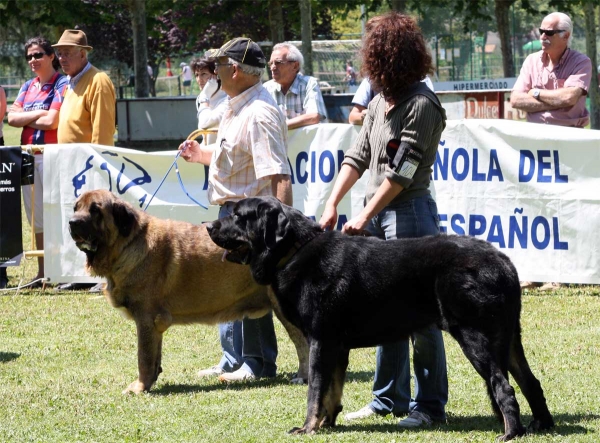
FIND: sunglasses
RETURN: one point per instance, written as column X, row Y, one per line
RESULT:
column 35, row 55
column 550, row 32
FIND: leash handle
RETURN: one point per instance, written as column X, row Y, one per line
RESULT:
column 192, row 136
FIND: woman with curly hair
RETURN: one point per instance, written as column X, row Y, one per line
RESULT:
column 398, row 144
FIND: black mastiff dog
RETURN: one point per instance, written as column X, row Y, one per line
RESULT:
column 346, row 292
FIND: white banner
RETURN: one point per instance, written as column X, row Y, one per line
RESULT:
column 530, row 190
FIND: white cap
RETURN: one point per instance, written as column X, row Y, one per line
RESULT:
column 183, row 64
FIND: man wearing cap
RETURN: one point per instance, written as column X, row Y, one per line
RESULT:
column 297, row 95
column 249, row 159
column 87, row 114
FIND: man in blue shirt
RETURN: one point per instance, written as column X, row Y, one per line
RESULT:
column 298, row 96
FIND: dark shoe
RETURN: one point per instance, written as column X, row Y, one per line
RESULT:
column 98, row 289
column 74, row 286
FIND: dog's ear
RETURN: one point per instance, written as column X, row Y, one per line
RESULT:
column 275, row 223
column 124, row 217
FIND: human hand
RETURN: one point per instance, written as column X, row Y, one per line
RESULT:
column 189, row 149
column 14, row 108
column 209, row 89
column 355, row 226
column 329, row 218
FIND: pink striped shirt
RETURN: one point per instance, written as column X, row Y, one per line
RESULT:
column 251, row 146
column 573, row 70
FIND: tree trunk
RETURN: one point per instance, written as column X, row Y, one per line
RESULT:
column 140, row 47
column 590, row 47
column 502, row 9
column 398, row 5
column 305, row 20
column 276, row 21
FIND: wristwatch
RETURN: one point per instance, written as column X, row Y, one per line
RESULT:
column 536, row 94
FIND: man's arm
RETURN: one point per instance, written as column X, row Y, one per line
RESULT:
column 282, row 188
column 303, row 120
column 547, row 100
column 357, row 115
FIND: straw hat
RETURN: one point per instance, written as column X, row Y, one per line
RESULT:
column 73, row 37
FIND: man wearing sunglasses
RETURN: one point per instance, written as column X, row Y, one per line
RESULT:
column 553, row 83
column 249, row 159
column 298, row 96
column 552, row 87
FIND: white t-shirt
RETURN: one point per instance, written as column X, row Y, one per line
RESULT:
column 186, row 73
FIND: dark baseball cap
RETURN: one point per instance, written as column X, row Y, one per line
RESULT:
column 241, row 49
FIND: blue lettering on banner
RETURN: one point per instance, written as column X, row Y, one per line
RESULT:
column 79, row 180
column 540, row 232
column 301, row 173
column 460, row 165
column 528, row 166
column 326, row 166
column 326, row 177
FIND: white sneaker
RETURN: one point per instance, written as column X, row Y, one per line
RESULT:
column 210, row 372
column 241, row 374
column 415, row 419
column 360, row 414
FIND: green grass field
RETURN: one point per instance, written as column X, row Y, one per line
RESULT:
column 66, row 357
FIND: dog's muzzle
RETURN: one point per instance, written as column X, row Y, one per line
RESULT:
column 82, row 241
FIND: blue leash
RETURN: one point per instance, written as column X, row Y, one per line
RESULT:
column 180, row 182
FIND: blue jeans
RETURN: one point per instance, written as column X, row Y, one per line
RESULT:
column 415, row 218
column 249, row 343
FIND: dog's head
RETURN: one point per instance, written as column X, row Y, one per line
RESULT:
column 260, row 232
column 100, row 220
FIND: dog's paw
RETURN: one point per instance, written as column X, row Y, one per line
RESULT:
column 300, row 431
column 540, row 425
column 137, row 387
column 295, row 380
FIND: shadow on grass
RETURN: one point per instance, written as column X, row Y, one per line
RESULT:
column 213, row 384
column 566, row 424
column 8, row 356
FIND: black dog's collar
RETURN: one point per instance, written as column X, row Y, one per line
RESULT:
column 293, row 250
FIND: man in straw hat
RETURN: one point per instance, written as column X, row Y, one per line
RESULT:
column 87, row 114
column 249, row 159
column 88, row 111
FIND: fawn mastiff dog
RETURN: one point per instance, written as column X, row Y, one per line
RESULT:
column 165, row 272
column 345, row 292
